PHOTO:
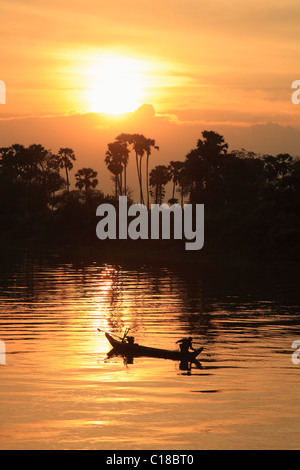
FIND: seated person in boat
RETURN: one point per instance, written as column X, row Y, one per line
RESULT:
column 130, row 339
column 185, row 344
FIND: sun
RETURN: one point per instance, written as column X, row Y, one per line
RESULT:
column 115, row 85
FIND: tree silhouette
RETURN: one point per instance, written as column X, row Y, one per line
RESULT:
column 86, row 179
column 136, row 140
column 116, row 159
column 184, row 185
column 31, row 175
column 26, row 164
column 159, row 177
column 278, row 167
column 175, row 167
column 150, row 143
column 243, row 179
column 203, row 166
column 65, row 157
column 252, row 200
column 140, row 145
column 124, row 140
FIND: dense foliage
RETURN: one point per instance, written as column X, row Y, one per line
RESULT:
column 251, row 201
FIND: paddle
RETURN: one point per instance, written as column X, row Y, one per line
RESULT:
column 126, row 333
column 102, row 331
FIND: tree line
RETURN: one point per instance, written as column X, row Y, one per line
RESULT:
column 209, row 174
column 249, row 192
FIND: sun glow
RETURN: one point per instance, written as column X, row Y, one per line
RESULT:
column 116, row 85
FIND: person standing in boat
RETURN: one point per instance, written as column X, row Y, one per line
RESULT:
column 185, row 344
column 130, row 339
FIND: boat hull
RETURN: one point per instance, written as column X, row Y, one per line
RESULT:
column 136, row 350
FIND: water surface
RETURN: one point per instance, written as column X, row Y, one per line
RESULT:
column 59, row 390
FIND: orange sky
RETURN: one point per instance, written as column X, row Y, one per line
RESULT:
column 226, row 61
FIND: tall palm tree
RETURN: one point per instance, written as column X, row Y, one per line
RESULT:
column 123, row 157
column 184, row 183
column 86, row 179
column 175, row 168
column 159, row 177
column 65, row 157
column 36, row 157
column 116, row 159
column 140, row 145
column 149, row 144
column 122, row 139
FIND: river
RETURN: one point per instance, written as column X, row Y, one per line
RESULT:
column 59, row 390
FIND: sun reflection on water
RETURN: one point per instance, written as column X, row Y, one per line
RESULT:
column 60, row 389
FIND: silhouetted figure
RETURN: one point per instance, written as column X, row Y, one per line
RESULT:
column 127, row 360
column 185, row 344
column 185, row 365
column 130, row 339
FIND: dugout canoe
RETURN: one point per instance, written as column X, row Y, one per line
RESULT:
column 137, row 350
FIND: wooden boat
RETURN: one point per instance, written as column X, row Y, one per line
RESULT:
column 136, row 350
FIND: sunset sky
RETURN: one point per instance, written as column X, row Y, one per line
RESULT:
column 72, row 69
column 196, row 60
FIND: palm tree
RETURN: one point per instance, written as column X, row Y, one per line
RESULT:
column 122, row 139
column 65, row 157
column 116, row 159
column 149, row 143
column 136, row 140
column 159, row 177
column 184, row 184
column 174, row 168
column 86, row 178
column 141, row 145
column 35, row 159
